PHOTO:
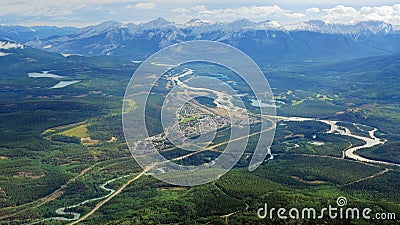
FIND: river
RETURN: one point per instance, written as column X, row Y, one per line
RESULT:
column 370, row 141
column 224, row 100
column 75, row 216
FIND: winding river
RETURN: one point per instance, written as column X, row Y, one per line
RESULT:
column 370, row 141
column 76, row 216
column 225, row 99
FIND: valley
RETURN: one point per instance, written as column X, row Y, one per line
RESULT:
column 64, row 158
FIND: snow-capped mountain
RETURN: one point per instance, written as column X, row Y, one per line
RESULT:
column 198, row 22
column 155, row 24
column 109, row 26
column 356, row 30
column 23, row 34
column 267, row 39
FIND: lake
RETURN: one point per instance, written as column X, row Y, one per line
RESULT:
column 63, row 84
column 45, row 74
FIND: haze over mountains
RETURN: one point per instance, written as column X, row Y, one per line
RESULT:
column 267, row 40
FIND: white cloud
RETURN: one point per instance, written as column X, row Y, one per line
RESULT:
column 313, row 10
column 382, row 11
column 295, row 15
column 253, row 12
column 65, row 3
column 145, row 5
column 340, row 9
column 280, row 2
column 180, row 10
column 199, row 8
column 336, row 14
column 94, row 11
column 343, row 14
column 49, row 8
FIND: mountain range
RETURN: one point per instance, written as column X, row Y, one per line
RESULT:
column 267, row 40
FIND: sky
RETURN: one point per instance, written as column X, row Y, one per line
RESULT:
column 80, row 13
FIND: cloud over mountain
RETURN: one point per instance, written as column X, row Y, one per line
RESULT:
column 78, row 13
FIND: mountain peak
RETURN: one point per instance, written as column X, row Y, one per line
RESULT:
column 241, row 23
column 111, row 36
column 356, row 29
column 316, row 22
column 104, row 26
column 98, row 29
column 198, row 22
column 268, row 24
column 157, row 23
column 109, row 23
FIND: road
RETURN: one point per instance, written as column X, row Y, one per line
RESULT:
column 370, row 177
column 225, row 101
column 57, row 193
column 100, row 204
column 350, row 152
